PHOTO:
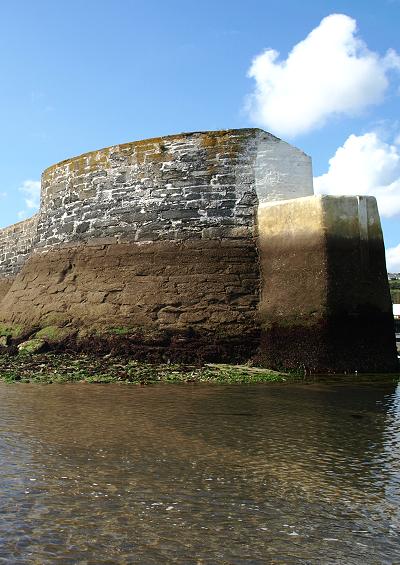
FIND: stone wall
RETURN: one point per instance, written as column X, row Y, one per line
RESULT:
column 197, row 186
column 16, row 243
column 210, row 244
column 207, row 288
column 188, row 186
column 157, row 236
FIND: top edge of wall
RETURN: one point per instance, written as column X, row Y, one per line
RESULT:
column 172, row 137
column 318, row 198
column 19, row 225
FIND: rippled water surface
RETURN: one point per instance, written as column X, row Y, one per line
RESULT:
column 200, row 474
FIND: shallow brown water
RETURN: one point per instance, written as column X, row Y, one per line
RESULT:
column 200, row 474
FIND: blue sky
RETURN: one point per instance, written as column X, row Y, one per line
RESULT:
column 77, row 76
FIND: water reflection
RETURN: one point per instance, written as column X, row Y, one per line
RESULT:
column 274, row 474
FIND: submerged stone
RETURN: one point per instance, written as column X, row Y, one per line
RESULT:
column 31, row 346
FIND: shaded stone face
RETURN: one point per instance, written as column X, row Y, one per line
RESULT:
column 212, row 284
column 325, row 302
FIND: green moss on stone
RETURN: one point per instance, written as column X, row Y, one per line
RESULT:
column 31, row 346
column 10, row 331
column 54, row 333
column 50, row 332
column 64, row 368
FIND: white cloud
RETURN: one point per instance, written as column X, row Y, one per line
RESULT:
column 393, row 259
column 330, row 72
column 31, row 191
column 365, row 165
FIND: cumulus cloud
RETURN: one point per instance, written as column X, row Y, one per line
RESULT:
column 365, row 164
column 393, row 259
column 31, row 191
column 330, row 72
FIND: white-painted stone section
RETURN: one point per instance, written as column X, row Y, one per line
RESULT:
column 282, row 172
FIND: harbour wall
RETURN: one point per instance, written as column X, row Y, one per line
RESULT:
column 181, row 242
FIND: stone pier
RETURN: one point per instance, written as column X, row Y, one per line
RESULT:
column 208, row 245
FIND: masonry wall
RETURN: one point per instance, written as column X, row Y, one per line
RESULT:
column 188, row 186
column 205, row 290
column 208, row 245
column 156, row 236
column 16, row 243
